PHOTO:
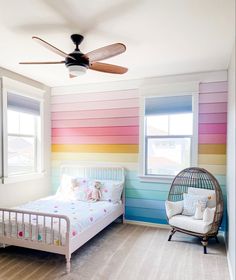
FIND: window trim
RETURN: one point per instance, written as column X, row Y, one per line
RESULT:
column 9, row 85
column 164, row 90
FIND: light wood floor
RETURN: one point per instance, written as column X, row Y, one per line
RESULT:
column 124, row 252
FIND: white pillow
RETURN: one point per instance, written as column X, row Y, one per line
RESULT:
column 73, row 188
column 80, row 188
column 205, row 192
column 199, row 211
column 173, row 208
column 190, row 202
column 111, row 190
column 208, row 215
column 65, row 189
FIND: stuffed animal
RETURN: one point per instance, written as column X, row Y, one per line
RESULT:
column 95, row 192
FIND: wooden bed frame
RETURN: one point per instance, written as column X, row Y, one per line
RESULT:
column 70, row 244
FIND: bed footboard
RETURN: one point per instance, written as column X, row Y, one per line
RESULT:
column 35, row 230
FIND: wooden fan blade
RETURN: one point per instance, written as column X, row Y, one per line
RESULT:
column 51, row 47
column 42, row 62
column 106, row 52
column 108, row 68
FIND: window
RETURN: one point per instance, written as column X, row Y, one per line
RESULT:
column 21, row 139
column 169, row 135
column 23, row 133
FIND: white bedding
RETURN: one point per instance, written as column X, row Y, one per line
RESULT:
column 81, row 214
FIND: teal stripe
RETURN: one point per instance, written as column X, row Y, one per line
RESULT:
column 145, row 203
column 146, row 213
column 147, row 220
column 146, row 194
column 136, row 184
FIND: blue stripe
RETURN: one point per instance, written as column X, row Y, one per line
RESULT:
column 145, row 203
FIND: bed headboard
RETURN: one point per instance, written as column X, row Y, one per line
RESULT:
column 95, row 172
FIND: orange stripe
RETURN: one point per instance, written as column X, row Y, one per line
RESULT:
column 95, row 148
column 212, row 149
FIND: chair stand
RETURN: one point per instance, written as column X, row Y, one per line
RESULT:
column 173, row 231
column 205, row 243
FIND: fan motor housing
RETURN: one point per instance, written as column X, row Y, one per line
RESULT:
column 80, row 59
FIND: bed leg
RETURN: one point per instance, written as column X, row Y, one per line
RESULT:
column 68, row 264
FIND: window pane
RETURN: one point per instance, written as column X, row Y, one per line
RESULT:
column 157, row 125
column 21, row 151
column 181, row 124
column 167, row 156
column 27, row 124
column 13, row 122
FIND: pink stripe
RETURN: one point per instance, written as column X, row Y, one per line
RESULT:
column 91, row 96
column 213, row 108
column 212, row 139
column 96, row 131
column 213, row 87
column 96, row 140
column 93, row 114
column 93, row 105
column 213, row 98
column 96, row 122
column 213, row 118
column 218, row 128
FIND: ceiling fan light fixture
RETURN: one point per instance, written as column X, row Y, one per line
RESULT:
column 77, row 70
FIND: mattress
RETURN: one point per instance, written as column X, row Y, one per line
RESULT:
column 82, row 215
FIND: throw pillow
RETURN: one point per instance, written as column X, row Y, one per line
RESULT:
column 205, row 192
column 173, row 208
column 190, row 202
column 199, row 211
column 208, row 215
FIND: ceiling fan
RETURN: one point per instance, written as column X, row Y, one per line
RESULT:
column 77, row 62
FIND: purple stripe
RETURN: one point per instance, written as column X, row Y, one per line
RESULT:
column 213, row 118
column 213, row 98
column 213, row 108
column 96, row 114
column 96, row 122
column 213, row 87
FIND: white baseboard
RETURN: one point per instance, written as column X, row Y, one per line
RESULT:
column 138, row 223
column 229, row 262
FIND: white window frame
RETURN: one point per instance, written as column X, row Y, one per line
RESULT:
column 164, row 90
column 15, row 87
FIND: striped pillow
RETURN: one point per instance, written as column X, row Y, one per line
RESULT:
column 190, row 202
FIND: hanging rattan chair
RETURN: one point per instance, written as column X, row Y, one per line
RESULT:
column 200, row 178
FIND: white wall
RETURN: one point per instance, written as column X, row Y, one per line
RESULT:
column 17, row 193
column 231, row 165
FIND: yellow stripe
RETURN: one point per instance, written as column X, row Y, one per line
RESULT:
column 95, row 148
column 109, row 157
column 212, row 149
column 212, row 159
column 214, row 169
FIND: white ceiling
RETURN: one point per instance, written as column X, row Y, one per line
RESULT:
column 163, row 37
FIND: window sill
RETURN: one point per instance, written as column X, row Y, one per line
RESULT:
column 159, row 179
column 22, row 178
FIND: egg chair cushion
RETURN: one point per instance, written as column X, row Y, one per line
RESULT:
column 190, row 224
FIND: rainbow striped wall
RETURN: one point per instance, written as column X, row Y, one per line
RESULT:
column 104, row 127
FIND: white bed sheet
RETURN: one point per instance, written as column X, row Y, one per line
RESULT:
column 81, row 214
